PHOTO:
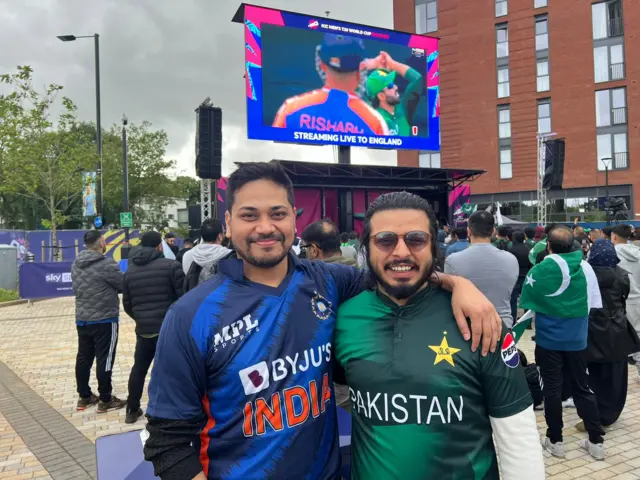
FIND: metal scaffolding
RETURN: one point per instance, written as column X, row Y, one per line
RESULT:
column 541, row 192
column 207, row 199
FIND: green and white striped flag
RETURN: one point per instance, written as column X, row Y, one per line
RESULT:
column 561, row 286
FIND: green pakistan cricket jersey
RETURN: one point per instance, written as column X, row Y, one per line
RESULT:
column 399, row 123
column 421, row 398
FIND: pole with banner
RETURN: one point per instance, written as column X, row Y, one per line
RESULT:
column 124, row 251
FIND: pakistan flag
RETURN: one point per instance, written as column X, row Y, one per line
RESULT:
column 561, row 286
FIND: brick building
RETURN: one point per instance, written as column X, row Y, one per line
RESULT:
column 511, row 68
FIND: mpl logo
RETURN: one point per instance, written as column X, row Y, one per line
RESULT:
column 509, row 352
column 234, row 332
column 314, row 24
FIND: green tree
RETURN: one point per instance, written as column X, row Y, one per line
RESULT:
column 41, row 157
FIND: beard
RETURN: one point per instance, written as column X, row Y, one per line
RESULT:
column 401, row 291
column 266, row 262
column 393, row 99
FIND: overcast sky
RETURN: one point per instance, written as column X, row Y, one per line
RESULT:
column 159, row 60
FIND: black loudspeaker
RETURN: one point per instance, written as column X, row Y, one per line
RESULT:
column 209, row 142
column 553, row 165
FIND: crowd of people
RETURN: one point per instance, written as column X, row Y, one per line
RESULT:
column 583, row 286
column 257, row 335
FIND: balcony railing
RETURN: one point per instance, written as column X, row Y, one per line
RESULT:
column 617, row 71
column 619, row 115
column 615, row 27
column 620, row 160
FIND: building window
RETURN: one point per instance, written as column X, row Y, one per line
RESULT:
column 544, row 116
column 427, row 17
column 613, row 146
column 430, row 160
column 504, row 121
column 542, row 33
column 611, row 107
column 502, row 41
column 503, row 82
column 501, row 8
column 542, row 72
column 539, row 3
column 506, row 167
column 608, row 63
column 606, row 19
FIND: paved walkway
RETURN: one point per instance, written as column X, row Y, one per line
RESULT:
column 39, row 425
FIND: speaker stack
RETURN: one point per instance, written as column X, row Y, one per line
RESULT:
column 209, row 142
column 553, row 165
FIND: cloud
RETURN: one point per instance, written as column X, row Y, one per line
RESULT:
column 159, row 59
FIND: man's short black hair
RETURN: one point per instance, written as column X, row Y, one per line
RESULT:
column 170, row 235
column 518, row 236
column 353, row 235
column 623, row 231
column 481, row 224
column 548, row 227
column 344, row 237
column 210, row 230
column 92, row 237
column 188, row 240
column 461, row 233
column 606, row 231
column 503, row 230
column 253, row 171
column 529, row 232
column 151, row 239
column 560, row 239
column 324, row 235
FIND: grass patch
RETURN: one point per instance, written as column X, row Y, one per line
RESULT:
column 8, row 295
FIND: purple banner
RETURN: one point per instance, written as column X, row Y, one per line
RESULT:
column 15, row 238
column 45, row 280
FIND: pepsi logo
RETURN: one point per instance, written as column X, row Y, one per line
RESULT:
column 509, row 351
column 314, row 24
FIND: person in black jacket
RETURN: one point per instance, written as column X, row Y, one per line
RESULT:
column 521, row 251
column 611, row 338
column 151, row 284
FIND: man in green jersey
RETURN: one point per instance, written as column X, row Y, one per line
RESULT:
column 424, row 405
column 397, row 110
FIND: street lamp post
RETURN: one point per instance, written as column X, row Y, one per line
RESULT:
column 607, row 163
column 125, row 185
column 96, row 41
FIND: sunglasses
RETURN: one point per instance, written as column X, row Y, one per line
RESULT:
column 415, row 241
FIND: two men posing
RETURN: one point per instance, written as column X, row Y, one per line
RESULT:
column 242, row 380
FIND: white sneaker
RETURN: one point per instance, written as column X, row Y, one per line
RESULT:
column 555, row 449
column 568, row 403
column 596, row 450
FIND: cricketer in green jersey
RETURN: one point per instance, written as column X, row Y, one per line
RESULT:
column 397, row 110
column 424, row 405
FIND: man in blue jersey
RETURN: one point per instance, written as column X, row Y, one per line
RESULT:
column 242, row 382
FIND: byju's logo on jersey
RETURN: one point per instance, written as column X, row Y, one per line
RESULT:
column 314, row 24
column 235, row 332
column 321, row 306
column 509, row 352
column 255, row 378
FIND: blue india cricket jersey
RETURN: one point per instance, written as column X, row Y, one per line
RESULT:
column 257, row 361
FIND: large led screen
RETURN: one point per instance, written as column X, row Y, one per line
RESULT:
column 320, row 81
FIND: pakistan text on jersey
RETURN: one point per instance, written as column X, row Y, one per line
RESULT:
column 401, row 409
column 290, row 408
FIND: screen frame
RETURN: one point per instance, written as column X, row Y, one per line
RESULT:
column 253, row 17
